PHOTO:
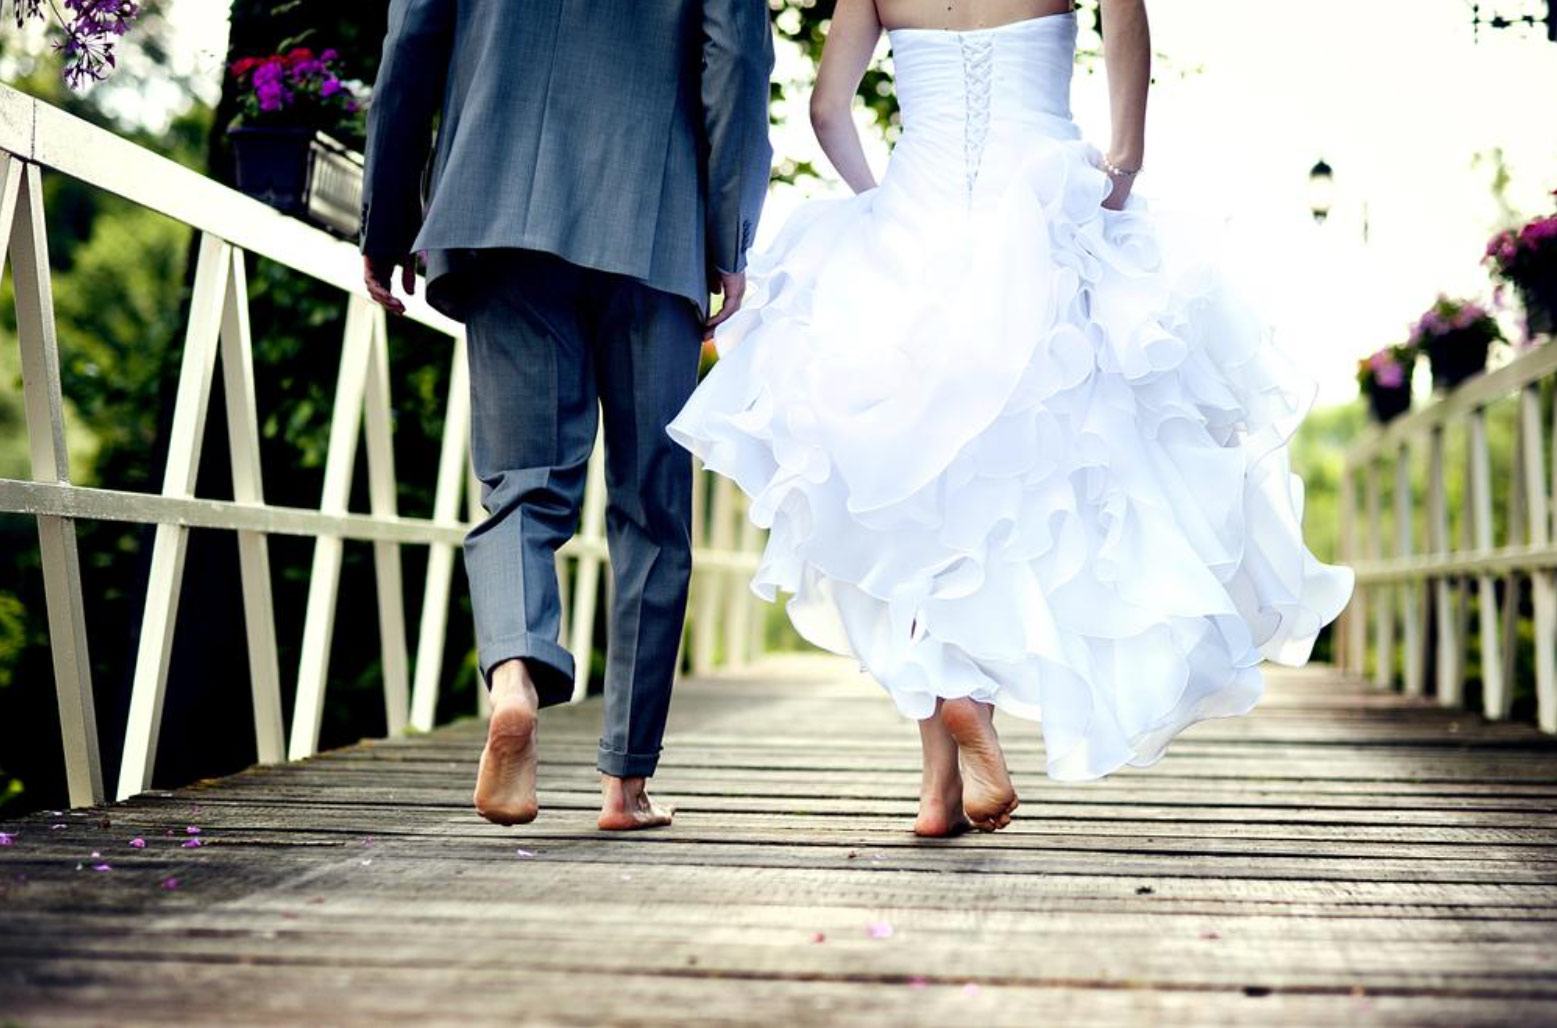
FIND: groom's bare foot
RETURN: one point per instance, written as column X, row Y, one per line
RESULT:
column 505, row 781
column 988, row 795
column 625, row 805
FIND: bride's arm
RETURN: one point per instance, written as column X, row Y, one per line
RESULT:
column 1127, row 52
column 851, row 40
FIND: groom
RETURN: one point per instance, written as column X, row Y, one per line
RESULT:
column 599, row 166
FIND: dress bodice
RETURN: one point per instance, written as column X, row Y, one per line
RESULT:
column 969, row 98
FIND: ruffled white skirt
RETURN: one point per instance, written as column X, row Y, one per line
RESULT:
column 1016, row 450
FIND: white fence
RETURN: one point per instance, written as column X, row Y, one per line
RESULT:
column 35, row 139
column 1419, row 554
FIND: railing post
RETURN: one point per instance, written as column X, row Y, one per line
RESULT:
column 1450, row 674
column 587, row 583
column 1495, row 694
column 1543, row 581
column 706, row 626
column 23, row 232
column 433, row 632
column 166, row 577
column 1354, row 631
column 382, row 501
column 325, row 579
column 1384, row 642
column 259, row 608
column 1410, row 594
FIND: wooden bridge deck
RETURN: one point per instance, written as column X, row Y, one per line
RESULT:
column 1342, row 857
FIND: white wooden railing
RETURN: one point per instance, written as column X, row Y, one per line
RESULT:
column 37, row 139
column 1416, row 556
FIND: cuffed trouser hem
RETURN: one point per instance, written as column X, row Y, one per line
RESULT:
column 618, row 764
column 550, row 665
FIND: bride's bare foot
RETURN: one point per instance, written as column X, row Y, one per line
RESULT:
column 505, row 781
column 940, row 790
column 626, row 807
column 988, row 795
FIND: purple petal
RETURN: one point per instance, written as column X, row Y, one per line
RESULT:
column 101, row 867
column 192, row 830
column 7, row 839
column 192, row 844
column 170, row 883
column 138, row 843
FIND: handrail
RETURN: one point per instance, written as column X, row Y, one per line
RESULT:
column 1426, row 592
column 35, row 137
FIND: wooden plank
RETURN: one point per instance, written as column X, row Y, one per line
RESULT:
column 1339, row 843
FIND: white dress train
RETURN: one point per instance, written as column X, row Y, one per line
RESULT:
column 1008, row 444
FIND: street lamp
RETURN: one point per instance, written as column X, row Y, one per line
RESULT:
column 1498, row 20
column 1321, row 190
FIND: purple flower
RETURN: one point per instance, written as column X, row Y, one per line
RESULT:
column 7, row 839
column 330, row 86
column 1390, row 376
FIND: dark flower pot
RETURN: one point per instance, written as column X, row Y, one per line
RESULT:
column 1456, row 356
column 1540, row 303
column 300, row 172
column 1388, row 404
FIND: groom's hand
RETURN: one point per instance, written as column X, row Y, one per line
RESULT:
column 732, row 286
column 379, row 275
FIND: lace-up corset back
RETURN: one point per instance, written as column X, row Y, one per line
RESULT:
column 969, row 98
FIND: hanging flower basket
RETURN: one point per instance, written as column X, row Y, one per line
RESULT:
column 1385, row 379
column 1539, row 300
column 301, row 172
column 285, row 149
column 1456, row 335
column 1526, row 258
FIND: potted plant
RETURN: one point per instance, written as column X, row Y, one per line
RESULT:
column 1456, row 336
column 1526, row 258
column 1385, row 379
column 285, row 147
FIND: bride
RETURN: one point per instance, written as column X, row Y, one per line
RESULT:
column 1014, row 450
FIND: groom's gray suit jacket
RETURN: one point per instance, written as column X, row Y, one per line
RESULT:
column 629, row 136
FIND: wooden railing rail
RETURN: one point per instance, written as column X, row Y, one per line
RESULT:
column 1405, row 575
column 36, row 138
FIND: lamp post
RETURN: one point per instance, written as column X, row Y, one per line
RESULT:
column 1321, row 190
column 1497, row 20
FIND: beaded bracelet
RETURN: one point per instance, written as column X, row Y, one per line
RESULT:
column 1115, row 171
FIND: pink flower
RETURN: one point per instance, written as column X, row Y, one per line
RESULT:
column 879, row 930
column 138, row 843
column 192, row 844
column 1390, row 376
column 192, row 830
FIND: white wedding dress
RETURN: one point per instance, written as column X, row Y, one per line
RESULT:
column 1007, row 445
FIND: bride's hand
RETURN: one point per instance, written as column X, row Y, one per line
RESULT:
column 1122, row 178
column 1120, row 193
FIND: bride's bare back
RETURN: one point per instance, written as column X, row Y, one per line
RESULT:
column 963, row 14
